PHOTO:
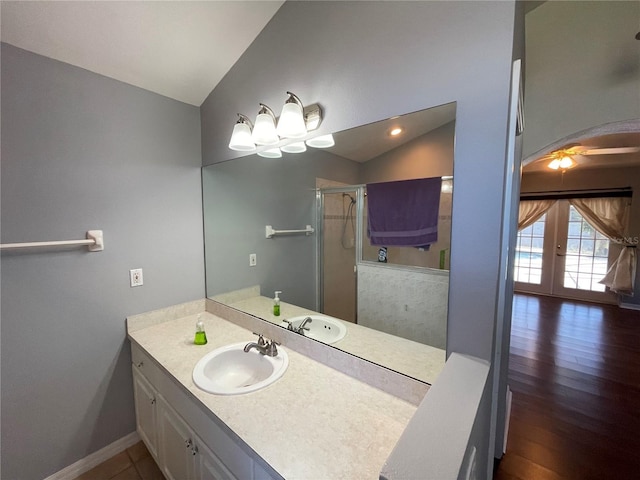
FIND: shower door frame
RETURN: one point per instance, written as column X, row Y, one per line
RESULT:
column 320, row 192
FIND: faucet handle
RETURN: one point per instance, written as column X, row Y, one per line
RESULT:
column 272, row 349
column 261, row 340
column 289, row 324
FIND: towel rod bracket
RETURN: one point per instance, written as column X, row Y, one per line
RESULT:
column 96, row 236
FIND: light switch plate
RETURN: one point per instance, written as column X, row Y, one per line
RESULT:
column 253, row 260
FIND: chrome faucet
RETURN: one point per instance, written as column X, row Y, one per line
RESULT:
column 300, row 328
column 268, row 348
column 303, row 325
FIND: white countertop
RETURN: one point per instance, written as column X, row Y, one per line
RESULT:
column 313, row 423
column 417, row 360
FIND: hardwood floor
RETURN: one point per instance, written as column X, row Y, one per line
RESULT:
column 575, row 375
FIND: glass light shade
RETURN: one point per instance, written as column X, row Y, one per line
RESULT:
column 291, row 123
column 271, row 153
column 297, row 147
column 564, row 163
column 554, row 164
column 241, row 138
column 323, row 141
column 264, row 130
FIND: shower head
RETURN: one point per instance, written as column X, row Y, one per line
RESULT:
column 353, row 200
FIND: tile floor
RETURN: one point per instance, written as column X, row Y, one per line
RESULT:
column 134, row 463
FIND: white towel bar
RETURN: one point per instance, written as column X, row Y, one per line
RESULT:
column 270, row 232
column 95, row 242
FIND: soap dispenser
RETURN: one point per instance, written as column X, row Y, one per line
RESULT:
column 276, row 304
column 201, row 336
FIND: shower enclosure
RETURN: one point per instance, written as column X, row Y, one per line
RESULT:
column 339, row 244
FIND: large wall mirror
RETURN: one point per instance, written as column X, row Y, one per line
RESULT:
column 384, row 303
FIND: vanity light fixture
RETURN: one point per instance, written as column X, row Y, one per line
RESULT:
column 271, row 153
column 241, row 137
column 323, row 141
column 264, row 131
column 563, row 163
column 292, row 123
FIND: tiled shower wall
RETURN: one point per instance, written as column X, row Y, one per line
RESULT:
column 407, row 302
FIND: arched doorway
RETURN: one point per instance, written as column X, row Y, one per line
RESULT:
column 561, row 254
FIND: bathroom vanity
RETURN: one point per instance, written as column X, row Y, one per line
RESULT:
column 313, row 422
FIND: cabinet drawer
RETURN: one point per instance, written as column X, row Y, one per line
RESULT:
column 144, row 365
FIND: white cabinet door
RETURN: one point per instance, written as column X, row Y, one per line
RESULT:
column 177, row 446
column 208, row 466
column 146, row 406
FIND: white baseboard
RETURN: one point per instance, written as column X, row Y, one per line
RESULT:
column 96, row 458
column 630, row 306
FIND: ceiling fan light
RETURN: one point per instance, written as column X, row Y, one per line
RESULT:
column 566, row 162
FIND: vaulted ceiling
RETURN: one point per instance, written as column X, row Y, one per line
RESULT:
column 179, row 49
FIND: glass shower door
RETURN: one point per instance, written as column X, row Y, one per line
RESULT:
column 338, row 214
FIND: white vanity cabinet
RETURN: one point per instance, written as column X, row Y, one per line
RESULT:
column 145, row 397
column 176, row 445
column 186, row 443
column 183, row 454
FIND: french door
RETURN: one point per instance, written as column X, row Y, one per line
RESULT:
column 562, row 255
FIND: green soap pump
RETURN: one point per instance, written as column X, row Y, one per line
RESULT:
column 276, row 304
column 201, row 336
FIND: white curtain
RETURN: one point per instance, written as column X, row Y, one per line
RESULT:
column 532, row 210
column 610, row 217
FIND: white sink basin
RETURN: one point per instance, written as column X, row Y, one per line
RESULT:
column 322, row 328
column 231, row 371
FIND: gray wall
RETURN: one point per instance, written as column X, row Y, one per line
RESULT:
column 81, row 151
column 369, row 61
column 430, row 155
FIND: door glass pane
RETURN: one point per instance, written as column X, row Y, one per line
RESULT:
column 528, row 261
column 587, row 255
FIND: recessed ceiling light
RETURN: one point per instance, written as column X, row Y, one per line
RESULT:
column 395, row 131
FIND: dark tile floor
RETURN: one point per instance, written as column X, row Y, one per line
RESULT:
column 135, row 463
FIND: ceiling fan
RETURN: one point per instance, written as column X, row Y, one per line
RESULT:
column 572, row 154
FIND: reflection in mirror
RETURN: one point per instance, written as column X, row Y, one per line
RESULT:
column 384, row 303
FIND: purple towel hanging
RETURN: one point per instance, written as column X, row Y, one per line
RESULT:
column 404, row 213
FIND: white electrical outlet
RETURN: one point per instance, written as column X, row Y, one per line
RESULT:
column 135, row 276
column 253, row 260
